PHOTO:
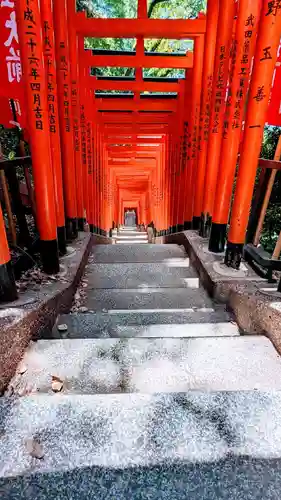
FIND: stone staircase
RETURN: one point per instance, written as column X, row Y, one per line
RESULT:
column 162, row 397
column 129, row 235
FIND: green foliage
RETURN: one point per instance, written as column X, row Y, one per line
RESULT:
column 176, row 9
column 272, row 227
column 108, row 8
column 9, row 141
column 272, row 223
column 164, row 9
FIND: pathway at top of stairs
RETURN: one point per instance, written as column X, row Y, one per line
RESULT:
column 162, row 397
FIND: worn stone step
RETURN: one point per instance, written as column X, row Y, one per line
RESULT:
column 136, row 253
column 131, row 241
column 142, row 324
column 148, row 298
column 188, row 446
column 131, row 234
column 175, row 330
column 127, row 235
column 151, row 365
column 141, row 276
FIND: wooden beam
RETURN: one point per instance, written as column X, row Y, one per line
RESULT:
column 142, row 120
column 142, row 9
column 134, row 86
column 272, row 164
column 130, row 105
column 140, row 61
column 132, row 28
column 111, row 141
column 132, row 163
column 134, row 153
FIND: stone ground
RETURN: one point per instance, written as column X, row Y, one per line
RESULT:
column 148, row 390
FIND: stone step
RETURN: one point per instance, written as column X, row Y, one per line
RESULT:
column 131, row 241
column 141, row 276
column 148, row 298
column 130, row 234
column 157, row 324
column 134, row 253
column 195, row 446
column 151, row 365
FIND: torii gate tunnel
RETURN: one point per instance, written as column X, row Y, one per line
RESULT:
column 169, row 147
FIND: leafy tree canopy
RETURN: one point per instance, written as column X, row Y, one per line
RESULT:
column 163, row 9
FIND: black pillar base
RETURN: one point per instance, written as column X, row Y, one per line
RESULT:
column 205, row 225
column 187, row 225
column 196, row 223
column 8, row 290
column 49, row 256
column 279, row 286
column 233, row 255
column 61, row 240
column 180, row 228
column 80, row 223
column 71, row 229
column 92, row 228
column 174, row 229
column 217, row 238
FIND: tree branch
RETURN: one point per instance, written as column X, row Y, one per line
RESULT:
column 153, row 4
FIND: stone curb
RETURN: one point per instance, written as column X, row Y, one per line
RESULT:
column 37, row 310
column 256, row 312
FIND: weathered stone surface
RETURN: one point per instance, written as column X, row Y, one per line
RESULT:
column 256, row 310
column 152, row 364
column 142, row 324
column 150, row 298
column 189, row 446
column 163, row 440
column 143, row 275
column 19, row 323
column 134, row 253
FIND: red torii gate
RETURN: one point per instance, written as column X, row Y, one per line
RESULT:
column 174, row 181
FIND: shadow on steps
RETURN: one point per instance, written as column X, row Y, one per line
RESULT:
column 233, row 478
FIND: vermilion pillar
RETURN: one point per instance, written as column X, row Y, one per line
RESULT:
column 243, row 51
column 194, row 128
column 30, row 36
column 83, row 125
column 65, row 116
column 75, row 104
column 8, row 291
column 94, row 148
column 176, row 161
column 52, row 98
column 205, row 109
column 89, row 140
column 220, row 76
column 181, row 161
column 260, row 86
